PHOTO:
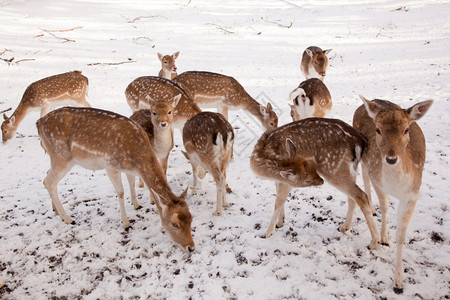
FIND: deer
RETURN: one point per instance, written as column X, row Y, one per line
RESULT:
column 310, row 99
column 168, row 67
column 97, row 139
column 142, row 91
column 393, row 163
column 157, row 123
column 301, row 153
column 224, row 92
column 314, row 62
column 58, row 90
column 208, row 139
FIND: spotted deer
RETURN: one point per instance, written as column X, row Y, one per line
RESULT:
column 314, row 62
column 224, row 92
column 97, row 139
column 393, row 162
column 300, row 153
column 208, row 139
column 144, row 90
column 46, row 94
column 168, row 67
column 310, row 99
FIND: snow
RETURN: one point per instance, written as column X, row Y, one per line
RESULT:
column 381, row 49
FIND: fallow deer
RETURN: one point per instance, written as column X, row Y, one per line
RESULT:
column 294, row 155
column 393, row 162
column 208, row 139
column 310, row 99
column 168, row 67
column 224, row 92
column 97, row 139
column 46, row 94
column 144, row 90
column 314, row 62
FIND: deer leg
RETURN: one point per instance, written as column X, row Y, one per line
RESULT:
column 348, row 219
column 350, row 188
column 223, row 109
column 366, row 180
column 54, row 175
column 116, row 180
column 131, row 182
column 219, row 178
column 405, row 211
column 384, row 205
column 195, row 177
column 164, row 162
column 282, row 193
column 45, row 110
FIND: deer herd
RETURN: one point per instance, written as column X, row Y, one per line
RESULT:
column 384, row 138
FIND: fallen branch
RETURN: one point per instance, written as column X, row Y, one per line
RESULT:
column 379, row 34
column 62, row 30
column 4, row 51
column 143, row 17
column 112, row 64
column 8, row 60
column 221, row 28
column 281, row 25
column 24, row 59
column 8, row 109
column 61, row 38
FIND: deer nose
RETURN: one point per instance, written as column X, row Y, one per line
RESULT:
column 163, row 124
column 191, row 249
column 174, row 68
column 391, row 159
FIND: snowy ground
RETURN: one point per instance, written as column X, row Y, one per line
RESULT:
column 381, row 49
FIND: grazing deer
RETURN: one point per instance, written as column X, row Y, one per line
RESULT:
column 168, row 67
column 393, row 162
column 208, row 139
column 224, row 92
column 310, row 99
column 314, row 62
column 295, row 154
column 141, row 92
column 45, row 94
column 97, row 139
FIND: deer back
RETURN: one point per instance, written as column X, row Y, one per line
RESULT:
column 396, row 144
column 146, row 89
column 311, row 99
column 314, row 62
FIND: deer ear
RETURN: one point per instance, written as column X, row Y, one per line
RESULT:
column 418, row 110
column 327, row 51
column 269, row 106
column 286, row 175
column 159, row 203
column 184, row 194
column 263, row 110
column 5, row 117
column 175, row 55
column 175, row 100
column 160, row 56
column 371, row 107
column 290, row 147
column 12, row 120
column 309, row 52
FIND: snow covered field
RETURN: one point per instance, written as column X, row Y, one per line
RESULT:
column 381, row 49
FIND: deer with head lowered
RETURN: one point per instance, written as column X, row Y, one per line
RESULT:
column 314, row 62
column 310, row 99
column 168, row 67
column 300, row 153
column 96, row 139
column 142, row 91
column 208, row 139
column 224, row 92
column 46, row 94
column 393, row 162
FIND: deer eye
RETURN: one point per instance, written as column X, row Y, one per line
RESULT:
column 170, row 112
column 175, row 225
column 154, row 113
column 378, row 131
column 407, row 130
column 165, row 62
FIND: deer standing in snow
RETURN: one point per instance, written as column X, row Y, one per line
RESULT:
column 310, row 99
column 45, row 94
column 142, row 91
column 393, row 162
column 168, row 67
column 294, row 155
column 224, row 92
column 97, row 139
column 208, row 139
column 157, row 123
column 314, row 62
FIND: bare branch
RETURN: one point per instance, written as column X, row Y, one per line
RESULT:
column 4, row 51
column 62, row 30
column 112, row 64
column 61, row 38
column 8, row 109
column 281, row 25
column 221, row 28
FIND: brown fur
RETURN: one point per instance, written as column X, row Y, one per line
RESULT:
column 314, row 62
column 168, row 67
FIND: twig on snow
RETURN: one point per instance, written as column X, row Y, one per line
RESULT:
column 4, row 51
column 113, row 63
column 62, row 30
column 61, row 38
column 8, row 109
column 281, row 25
column 221, row 28
column 142, row 17
column 379, row 34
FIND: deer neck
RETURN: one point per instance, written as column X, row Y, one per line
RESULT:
column 19, row 114
column 163, row 138
column 154, row 177
column 252, row 106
